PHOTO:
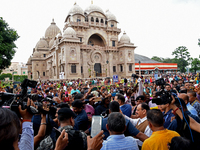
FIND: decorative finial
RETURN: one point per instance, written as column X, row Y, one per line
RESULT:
column 53, row 21
column 124, row 32
column 91, row 1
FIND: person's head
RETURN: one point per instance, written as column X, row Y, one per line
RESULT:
column 146, row 84
column 185, row 97
column 167, row 87
column 57, row 99
column 114, row 107
column 155, row 118
column 77, row 105
column 59, row 106
column 180, row 143
column 9, row 129
column 187, row 86
column 132, row 100
column 66, row 117
column 180, row 82
column 192, row 96
column 177, row 103
column 51, row 89
column 140, row 99
column 116, row 123
column 106, row 101
column 142, row 110
column 74, row 87
column 120, row 98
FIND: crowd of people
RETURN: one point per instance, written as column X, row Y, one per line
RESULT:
column 137, row 113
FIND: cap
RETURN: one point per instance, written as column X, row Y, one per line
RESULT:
column 141, row 97
column 66, row 112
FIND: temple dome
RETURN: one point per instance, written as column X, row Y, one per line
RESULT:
column 125, row 38
column 69, row 32
column 51, row 43
column 110, row 16
column 93, row 8
column 76, row 9
column 37, row 54
column 42, row 43
column 52, row 30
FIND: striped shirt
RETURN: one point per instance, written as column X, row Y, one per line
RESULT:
column 27, row 137
column 120, row 142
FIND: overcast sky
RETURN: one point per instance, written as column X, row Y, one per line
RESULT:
column 156, row 27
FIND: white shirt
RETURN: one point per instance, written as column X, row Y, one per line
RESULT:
column 148, row 132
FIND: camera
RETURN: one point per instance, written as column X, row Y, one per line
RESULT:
column 12, row 101
column 163, row 97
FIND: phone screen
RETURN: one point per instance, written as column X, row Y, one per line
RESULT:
column 96, row 125
column 94, row 89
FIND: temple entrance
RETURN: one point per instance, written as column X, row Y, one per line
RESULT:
column 97, row 69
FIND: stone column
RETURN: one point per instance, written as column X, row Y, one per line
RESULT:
column 110, row 58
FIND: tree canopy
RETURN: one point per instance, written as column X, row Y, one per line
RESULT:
column 195, row 65
column 7, row 46
column 182, row 57
column 156, row 58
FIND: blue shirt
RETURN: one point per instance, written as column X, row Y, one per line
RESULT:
column 167, row 118
column 119, row 142
column 99, row 109
column 81, row 121
column 191, row 109
column 196, row 105
column 126, row 109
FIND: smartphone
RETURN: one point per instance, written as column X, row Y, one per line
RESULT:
column 58, row 133
column 96, row 126
column 97, row 99
column 94, row 89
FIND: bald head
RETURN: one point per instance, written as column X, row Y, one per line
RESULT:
column 185, row 97
column 57, row 99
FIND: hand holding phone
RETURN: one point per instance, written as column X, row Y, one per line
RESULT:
column 96, row 126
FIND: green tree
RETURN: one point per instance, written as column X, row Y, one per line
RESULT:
column 199, row 42
column 156, row 58
column 7, row 45
column 169, row 60
column 195, row 65
column 182, row 57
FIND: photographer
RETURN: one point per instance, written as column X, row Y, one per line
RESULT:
column 10, row 129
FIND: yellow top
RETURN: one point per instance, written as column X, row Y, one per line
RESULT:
column 159, row 140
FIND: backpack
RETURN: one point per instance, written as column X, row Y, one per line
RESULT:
column 75, row 140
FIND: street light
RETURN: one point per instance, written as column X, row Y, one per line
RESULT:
column 139, row 69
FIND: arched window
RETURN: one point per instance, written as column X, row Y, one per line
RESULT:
column 130, row 67
column 78, row 19
column 86, row 19
column 92, row 19
column 106, row 22
column 73, row 68
column 97, row 20
column 101, row 20
column 121, row 68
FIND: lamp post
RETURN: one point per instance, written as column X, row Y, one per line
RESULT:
column 107, row 67
column 12, row 75
column 139, row 69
